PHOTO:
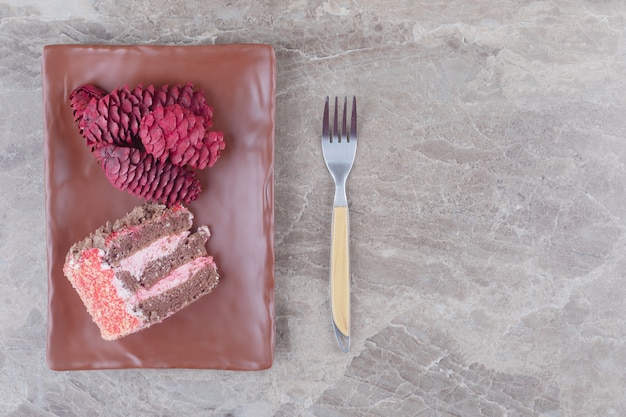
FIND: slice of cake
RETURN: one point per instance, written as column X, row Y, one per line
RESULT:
column 141, row 269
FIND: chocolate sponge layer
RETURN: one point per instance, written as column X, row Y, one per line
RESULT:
column 164, row 305
column 155, row 222
column 140, row 227
column 190, row 248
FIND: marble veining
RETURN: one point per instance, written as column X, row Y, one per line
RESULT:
column 487, row 208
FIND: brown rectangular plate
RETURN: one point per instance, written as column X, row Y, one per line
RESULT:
column 231, row 328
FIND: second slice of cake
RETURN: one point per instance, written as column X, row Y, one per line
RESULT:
column 141, row 269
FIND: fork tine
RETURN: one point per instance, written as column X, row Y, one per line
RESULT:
column 336, row 124
column 353, row 123
column 344, row 131
column 325, row 122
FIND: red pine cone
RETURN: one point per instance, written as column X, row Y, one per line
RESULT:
column 175, row 133
column 184, row 95
column 82, row 100
column 131, row 170
column 165, row 127
column 81, row 97
column 114, row 119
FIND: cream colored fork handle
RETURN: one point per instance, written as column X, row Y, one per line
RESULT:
column 340, row 275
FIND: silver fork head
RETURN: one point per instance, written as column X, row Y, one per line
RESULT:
column 336, row 136
column 339, row 147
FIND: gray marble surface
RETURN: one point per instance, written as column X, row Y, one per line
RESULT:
column 488, row 205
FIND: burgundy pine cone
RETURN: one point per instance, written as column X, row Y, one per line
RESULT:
column 142, row 175
column 163, row 132
column 175, row 133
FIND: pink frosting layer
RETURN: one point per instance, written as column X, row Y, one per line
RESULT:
column 175, row 278
column 137, row 262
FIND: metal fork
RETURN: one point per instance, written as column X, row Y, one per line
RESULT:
column 339, row 149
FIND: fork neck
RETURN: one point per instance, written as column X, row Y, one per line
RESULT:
column 341, row 200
